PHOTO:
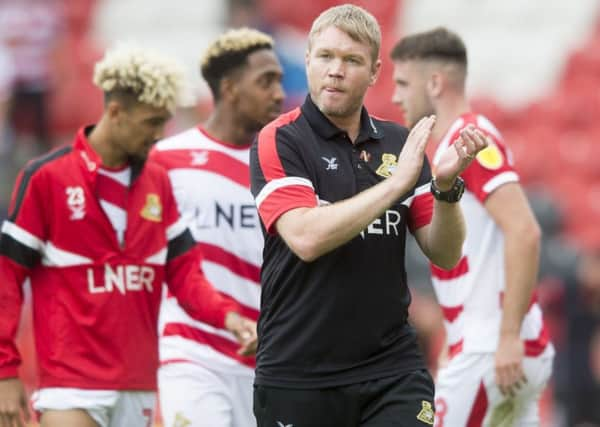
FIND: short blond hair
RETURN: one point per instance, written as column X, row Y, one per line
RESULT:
column 152, row 78
column 229, row 52
column 355, row 21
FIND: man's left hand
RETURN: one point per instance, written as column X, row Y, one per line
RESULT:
column 455, row 160
column 509, row 364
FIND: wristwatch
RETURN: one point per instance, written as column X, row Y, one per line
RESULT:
column 451, row 196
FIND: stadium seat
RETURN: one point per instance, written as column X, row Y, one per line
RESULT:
column 76, row 100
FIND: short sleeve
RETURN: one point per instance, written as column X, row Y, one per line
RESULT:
column 420, row 206
column 492, row 168
column 279, row 178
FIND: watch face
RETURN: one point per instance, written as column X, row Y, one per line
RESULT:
column 451, row 196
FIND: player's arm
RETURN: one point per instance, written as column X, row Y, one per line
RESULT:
column 199, row 298
column 21, row 241
column 441, row 240
column 311, row 232
column 186, row 280
column 510, row 209
column 13, row 400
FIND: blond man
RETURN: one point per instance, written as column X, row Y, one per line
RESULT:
column 203, row 381
column 337, row 191
column 97, row 231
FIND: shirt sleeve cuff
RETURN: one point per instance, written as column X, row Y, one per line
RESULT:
column 10, row 371
column 226, row 307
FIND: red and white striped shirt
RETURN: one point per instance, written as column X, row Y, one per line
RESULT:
column 470, row 294
column 211, row 181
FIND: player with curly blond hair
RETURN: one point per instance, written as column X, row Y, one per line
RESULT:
column 97, row 231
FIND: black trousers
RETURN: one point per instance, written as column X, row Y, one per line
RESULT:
column 398, row 401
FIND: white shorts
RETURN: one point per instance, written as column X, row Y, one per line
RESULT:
column 193, row 396
column 109, row 408
column 466, row 393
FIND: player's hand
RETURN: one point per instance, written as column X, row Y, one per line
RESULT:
column 456, row 159
column 509, row 364
column 13, row 403
column 244, row 330
column 410, row 160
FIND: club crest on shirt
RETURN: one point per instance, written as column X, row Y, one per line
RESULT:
column 152, row 210
column 491, row 157
column 426, row 413
column 387, row 166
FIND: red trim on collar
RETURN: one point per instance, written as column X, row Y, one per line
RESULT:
column 91, row 161
column 218, row 141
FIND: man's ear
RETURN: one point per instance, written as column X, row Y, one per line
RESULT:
column 113, row 109
column 435, row 84
column 228, row 89
column 376, row 70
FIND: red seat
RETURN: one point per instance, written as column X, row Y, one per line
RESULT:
column 76, row 101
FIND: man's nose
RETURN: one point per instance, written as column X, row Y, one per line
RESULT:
column 336, row 68
column 278, row 93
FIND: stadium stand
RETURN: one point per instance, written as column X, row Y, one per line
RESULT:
column 535, row 73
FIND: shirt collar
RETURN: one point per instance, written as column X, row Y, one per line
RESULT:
column 327, row 130
column 90, row 160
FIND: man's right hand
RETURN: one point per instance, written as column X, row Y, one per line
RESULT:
column 244, row 330
column 508, row 364
column 13, row 403
column 410, row 160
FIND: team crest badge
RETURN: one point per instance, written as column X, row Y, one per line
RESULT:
column 152, row 210
column 490, row 157
column 387, row 166
column 426, row 413
column 181, row 421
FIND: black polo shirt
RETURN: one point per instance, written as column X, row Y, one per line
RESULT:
column 342, row 318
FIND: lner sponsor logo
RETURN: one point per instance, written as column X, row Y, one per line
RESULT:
column 122, row 278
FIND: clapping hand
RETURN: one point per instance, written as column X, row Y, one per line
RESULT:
column 456, row 158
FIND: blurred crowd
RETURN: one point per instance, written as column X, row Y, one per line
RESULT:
column 47, row 56
column 46, row 60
